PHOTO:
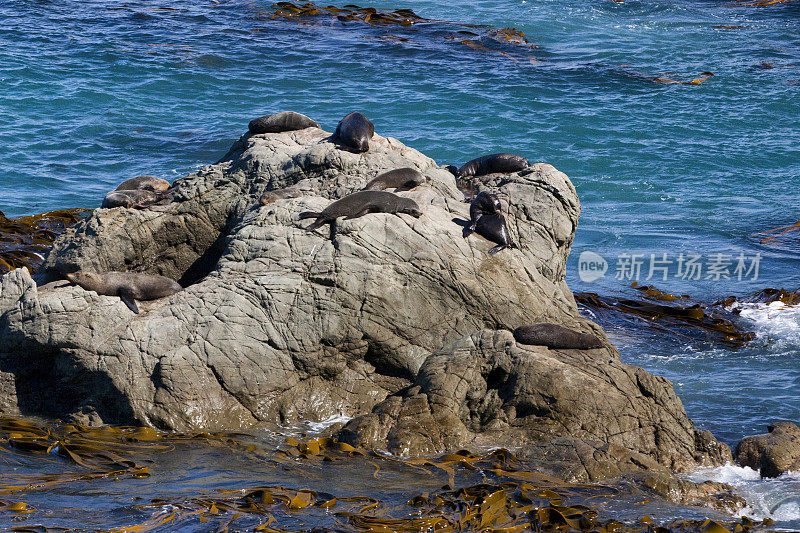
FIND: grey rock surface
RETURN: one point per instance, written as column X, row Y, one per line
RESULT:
column 772, row 453
column 578, row 414
column 396, row 321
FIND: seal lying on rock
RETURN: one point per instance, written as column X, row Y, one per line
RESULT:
column 278, row 122
column 144, row 183
column 492, row 228
column 492, row 163
column 354, row 131
column 279, row 194
column 484, row 204
column 138, row 193
column 555, row 336
column 399, row 178
column 360, row 203
column 136, row 198
column 129, row 286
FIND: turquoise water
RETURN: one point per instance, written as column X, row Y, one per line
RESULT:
column 94, row 93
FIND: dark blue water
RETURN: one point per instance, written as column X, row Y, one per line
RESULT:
column 92, row 93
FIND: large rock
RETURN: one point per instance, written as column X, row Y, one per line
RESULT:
column 772, row 453
column 396, row 321
column 581, row 415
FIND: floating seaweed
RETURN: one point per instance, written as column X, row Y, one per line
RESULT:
column 97, row 452
column 490, row 492
column 765, row 296
column 692, row 321
column 25, row 240
column 778, row 232
column 482, row 39
column 759, row 3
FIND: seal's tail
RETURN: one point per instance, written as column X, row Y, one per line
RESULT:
column 308, row 214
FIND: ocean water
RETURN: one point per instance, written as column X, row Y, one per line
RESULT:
column 92, row 93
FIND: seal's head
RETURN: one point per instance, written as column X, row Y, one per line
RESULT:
column 87, row 280
column 409, row 206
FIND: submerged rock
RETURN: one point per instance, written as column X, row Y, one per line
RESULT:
column 396, row 321
column 772, row 453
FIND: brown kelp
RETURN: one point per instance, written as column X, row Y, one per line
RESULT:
column 778, row 233
column 25, row 240
column 506, row 498
column 93, row 452
column 489, row 492
column 509, row 42
column 758, row 3
column 692, row 320
column 764, row 296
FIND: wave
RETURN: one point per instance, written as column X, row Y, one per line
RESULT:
column 776, row 498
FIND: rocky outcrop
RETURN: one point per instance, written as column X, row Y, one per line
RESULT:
column 772, row 453
column 396, row 321
column 596, row 416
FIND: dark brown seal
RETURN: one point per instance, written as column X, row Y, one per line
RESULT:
column 360, row 203
column 492, row 228
column 555, row 336
column 144, row 183
column 400, row 178
column 483, row 204
column 278, row 122
column 492, row 163
column 129, row 286
column 279, row 194
column 354, row 132
column 136, row 198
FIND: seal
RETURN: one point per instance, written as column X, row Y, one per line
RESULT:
column 399, row 179
column 135, row 198
column 354, row 131
column 493, row 228
column 360, row 203
column 279, row 194
column 129, row 286
column 144, row 183
column 484, row 204
column 555, row 336
column 278, row 122
column 492, row 163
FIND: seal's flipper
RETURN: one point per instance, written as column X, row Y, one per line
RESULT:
column 314, row 225
column 128, row 300
column 497, row 248
column 467, row 231
column 308, row 214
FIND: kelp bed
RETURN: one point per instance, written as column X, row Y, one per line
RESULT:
column 680, row 317
column 676, row 316
column 25, row 240
column 492, row 492
column 510, row 43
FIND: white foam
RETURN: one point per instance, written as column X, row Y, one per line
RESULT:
column 775, row 321
column 777, row 498
column 316, row 427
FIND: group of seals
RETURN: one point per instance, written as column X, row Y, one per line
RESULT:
column 279, row 122
column 129, row 286
column 487, row 221
column 138, row 193
column 360, row 203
